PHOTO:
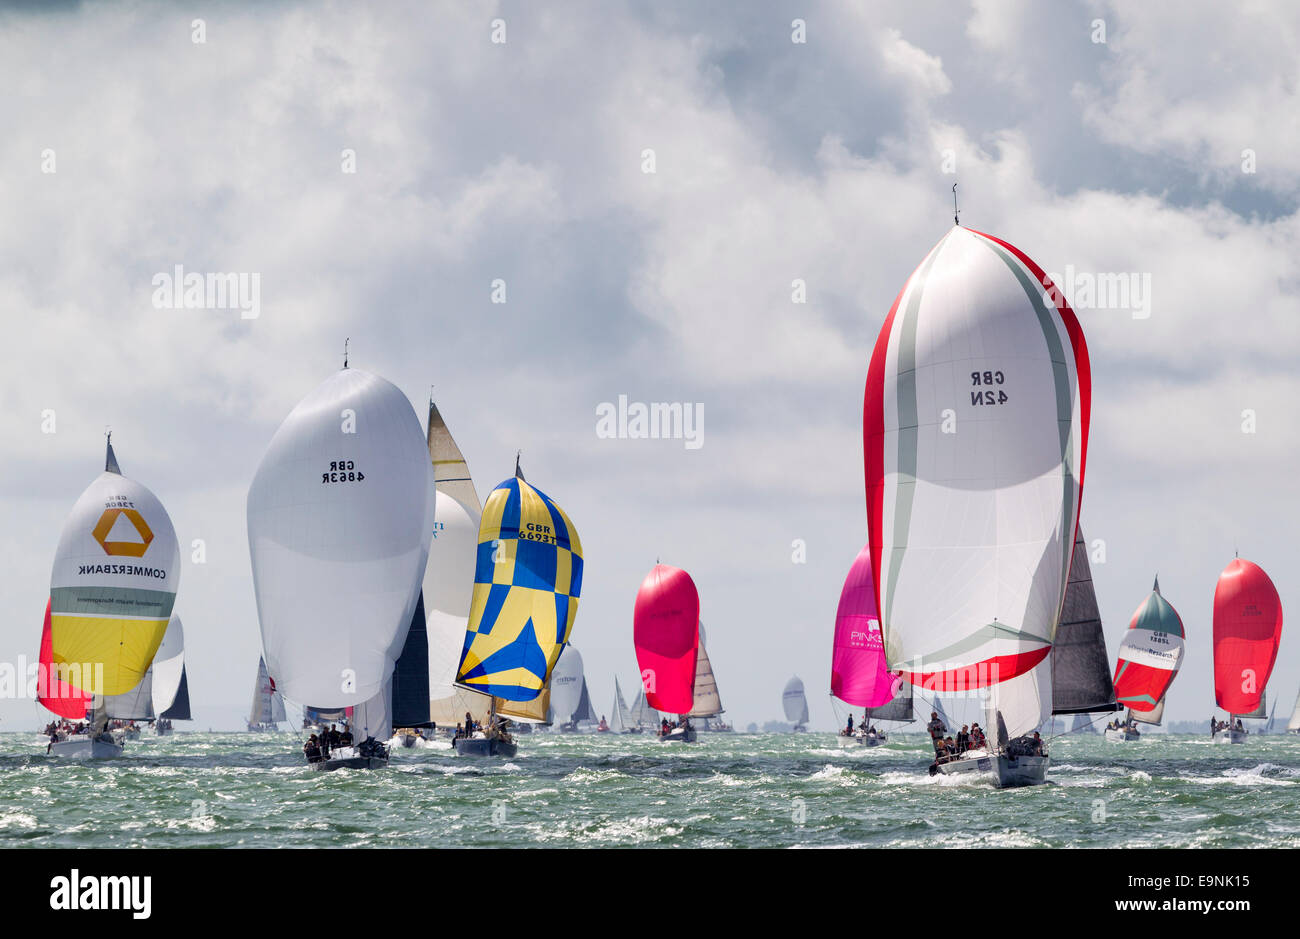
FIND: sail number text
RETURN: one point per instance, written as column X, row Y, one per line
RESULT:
column 989, row 385
column 533, row 532
column 342, row 471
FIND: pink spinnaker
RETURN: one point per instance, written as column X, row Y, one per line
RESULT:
column 858, row 673
column 665, row 631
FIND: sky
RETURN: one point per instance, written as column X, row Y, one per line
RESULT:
column 1158, row 140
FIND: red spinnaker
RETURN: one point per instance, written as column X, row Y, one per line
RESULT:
column 53, row 692
column 1247, row 630
column 665, row 631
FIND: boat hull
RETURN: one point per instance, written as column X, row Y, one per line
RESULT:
column 483, row 747
column 1231, row 736
column 854, row 741
column 1122, row 736
column 350, row 762
column 1007, row 772
column 679, row 735
column 86, row 749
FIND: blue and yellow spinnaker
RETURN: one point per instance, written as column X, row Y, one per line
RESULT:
column 527, row 579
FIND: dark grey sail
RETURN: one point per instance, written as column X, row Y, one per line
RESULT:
column 585, row 711
column 900, row 709
column 180, row 709
column 1080, row 666
column 411, row 675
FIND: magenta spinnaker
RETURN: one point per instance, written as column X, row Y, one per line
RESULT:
column 858, row 673
column 665, row 631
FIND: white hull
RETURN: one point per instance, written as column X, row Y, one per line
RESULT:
column 1007, row 771
column 1122, row 736
column 858, row 740
column 1231, row 736
column 83, row 748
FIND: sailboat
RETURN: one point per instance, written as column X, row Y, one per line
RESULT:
column 118, row 552
column 527, row 582
column 1293, row 725
column 624, row 720
column 1149, row 659
column 645, row 719
column 569, row 699
column 706, row 702
column 267, row 709
column 340, row 513
column 859, row 675
column 795, row 704
column 666, row 632
column 1247, row 630
column 171, row 685
column 975, row 428
column 1083, row 725
column 1081, row 682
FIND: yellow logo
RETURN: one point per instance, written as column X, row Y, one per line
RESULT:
column 131, row 549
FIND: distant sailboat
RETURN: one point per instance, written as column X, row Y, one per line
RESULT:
column 623, row 721
column 859, row 674
column 975, row 428
column 340, row 514
column 1293, row 725
column 569, row 698
column 1247, row 631
column 171, row 686
column 645, row 719
column 1149, row 659
column 1083, row 725
column 527, row 582
column 795, row 704
column 267, row 709
column 118, row 552
column 665, row 632
column 706, row 702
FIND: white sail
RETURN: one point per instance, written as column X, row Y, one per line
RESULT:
column 622, row 718
column 566, row 686
column 706, row 701
column 168, row 666
column 340, row 513
column 794, row 701
column 449, row 580
column 643, row 715
column 975, row 436
column 374, row 716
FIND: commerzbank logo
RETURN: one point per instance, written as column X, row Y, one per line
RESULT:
column 118, row 522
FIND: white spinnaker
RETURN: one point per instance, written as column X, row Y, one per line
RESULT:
column 168, row 666
column 980, row 500
column 337, row 560
column 566, row 685
column 794, row 701
column 448, row 589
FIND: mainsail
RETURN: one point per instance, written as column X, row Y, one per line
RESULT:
column 171, row 694
column 112, row 588
column 1153, row 716
column 643, row 715
column 665, row 631
column 340, row 513
column 527, row 581
column 1080, row 666
column 1149, row 657
column 267, row 706
column 1293, row 725
column 705, row 700
column 410, row 693
column 975, row 428
column 794, row 702
column 622, row 719
column 859, row 675
column 898, row 708
column 1247, row 630
column 449, row 580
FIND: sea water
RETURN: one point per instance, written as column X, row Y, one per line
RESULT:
column 727, row 790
